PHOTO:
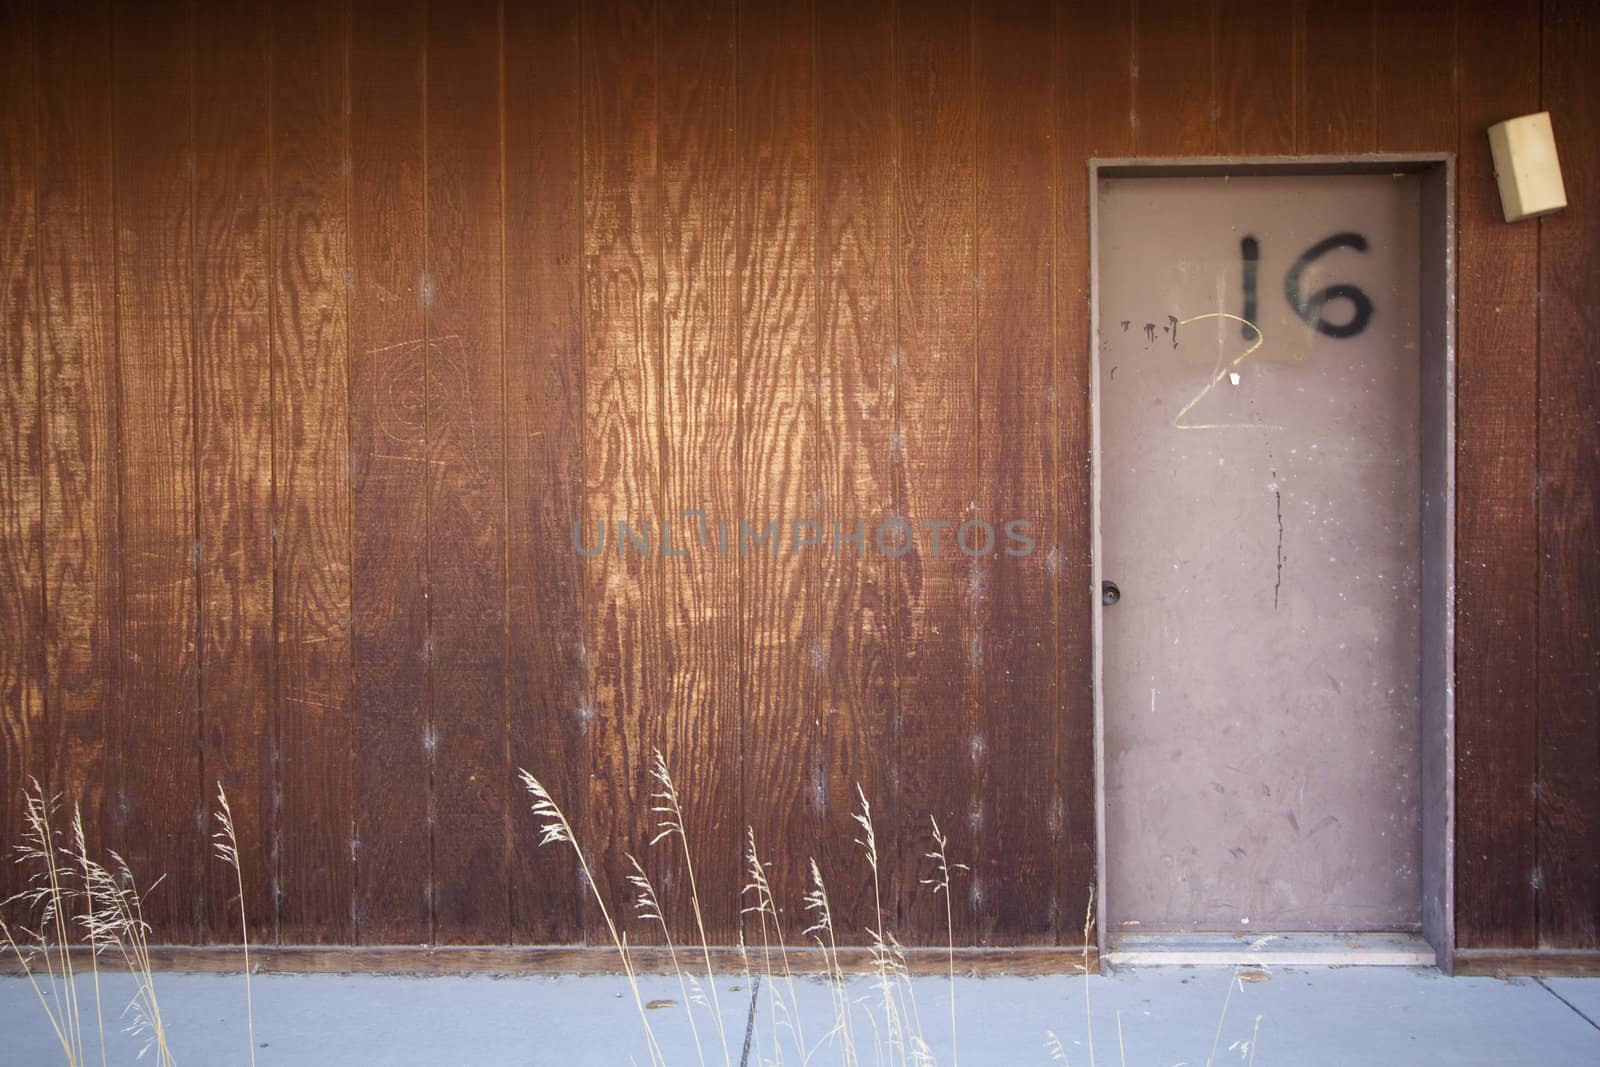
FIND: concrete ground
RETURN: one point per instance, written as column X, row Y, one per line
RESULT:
column 1299, row 1016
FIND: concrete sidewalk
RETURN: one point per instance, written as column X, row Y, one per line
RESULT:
column 1299, row 1016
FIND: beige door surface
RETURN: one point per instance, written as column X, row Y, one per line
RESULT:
column 1260, row 515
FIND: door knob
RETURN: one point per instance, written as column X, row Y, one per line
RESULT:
column 1109, row 593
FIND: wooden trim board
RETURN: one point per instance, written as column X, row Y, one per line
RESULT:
column 422, row 960
column 1537, row 963
column 452, row 959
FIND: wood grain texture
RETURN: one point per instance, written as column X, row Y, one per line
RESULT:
column 781, row 651
column 1416, row 76
column 1175, row 87
column 233, row 428
column 413, row 299
column 1014, row 750
column 1497, row 365
column 78, row 335
column 1539, row 963
column 936, row 462
column 466, row 470
column 623, row 598
column 394, row 742
column 1255, row 77
column 1096, row 59
column 24, row 728
column 855, row 234
column 700, row 393
column 310, row 246
column 544, row 457
column 1336, row 47
column 159, row 732
column 1095, row 47
column 1568, row 782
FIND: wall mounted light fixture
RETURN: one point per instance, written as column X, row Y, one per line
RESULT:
column 1526, row 166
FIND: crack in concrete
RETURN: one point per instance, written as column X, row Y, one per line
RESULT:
column 750, row 1022
column 1579, row 1012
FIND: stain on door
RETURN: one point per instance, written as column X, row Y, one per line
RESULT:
column 1260, row 517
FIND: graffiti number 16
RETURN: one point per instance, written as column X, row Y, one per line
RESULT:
column 1308, row 307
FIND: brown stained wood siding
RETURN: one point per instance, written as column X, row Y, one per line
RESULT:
column 1567, row 779
column 1497, row 483
column 22, row 618
column 624, row 688
column 79, row 388
column 936, row 457
column 312, row 421
column 159, row 730
column 234, row 447
column 856, row 308
column 781, row 645
column 323, row 324
column 1093, row 117
column 466, row 473
column 544, row 454
column 1013, row 749
column 700, row 397
column 392, row 835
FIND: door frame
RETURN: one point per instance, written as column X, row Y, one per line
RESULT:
column 1438, row 505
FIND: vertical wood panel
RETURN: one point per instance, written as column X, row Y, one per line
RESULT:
column 1568, row 784
column 936, row 461
column 23, row 726
column 1093, row 118
column 623, row 596
column 1497, row 348
column 823, row 266
column 1338, row 95
column 159, row 730
column 700, row 391
column 233, row 410
column 310, row 245
column 855, row 258
column 544, row 456
column 466, row 467
column 76, row 283
column 389, row 579
column 781, row 651
column 1014, row 749
column 1255, row 77
column 1174, row 89
column 1416, row 76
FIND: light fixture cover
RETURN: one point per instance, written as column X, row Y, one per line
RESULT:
column 1526, row 167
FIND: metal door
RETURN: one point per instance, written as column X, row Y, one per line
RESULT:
column 1260, row 519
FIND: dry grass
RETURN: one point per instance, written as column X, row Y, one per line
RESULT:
column 73, row 901
column 821, row 930
column 648, row 907
column 940, row 884
column 69, row 892
column 226, row 843
column 669, row 825
column 1088, row 1015
column 766, row 909
column 883, row 1029
column 554, row 830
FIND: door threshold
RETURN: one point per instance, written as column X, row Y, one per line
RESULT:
column 1390, row 949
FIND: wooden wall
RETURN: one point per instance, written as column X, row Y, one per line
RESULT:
column 322, row 322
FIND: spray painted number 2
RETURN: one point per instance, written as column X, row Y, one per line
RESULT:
column 1309, row 307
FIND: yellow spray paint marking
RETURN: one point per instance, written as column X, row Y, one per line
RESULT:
column 1222, row 372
